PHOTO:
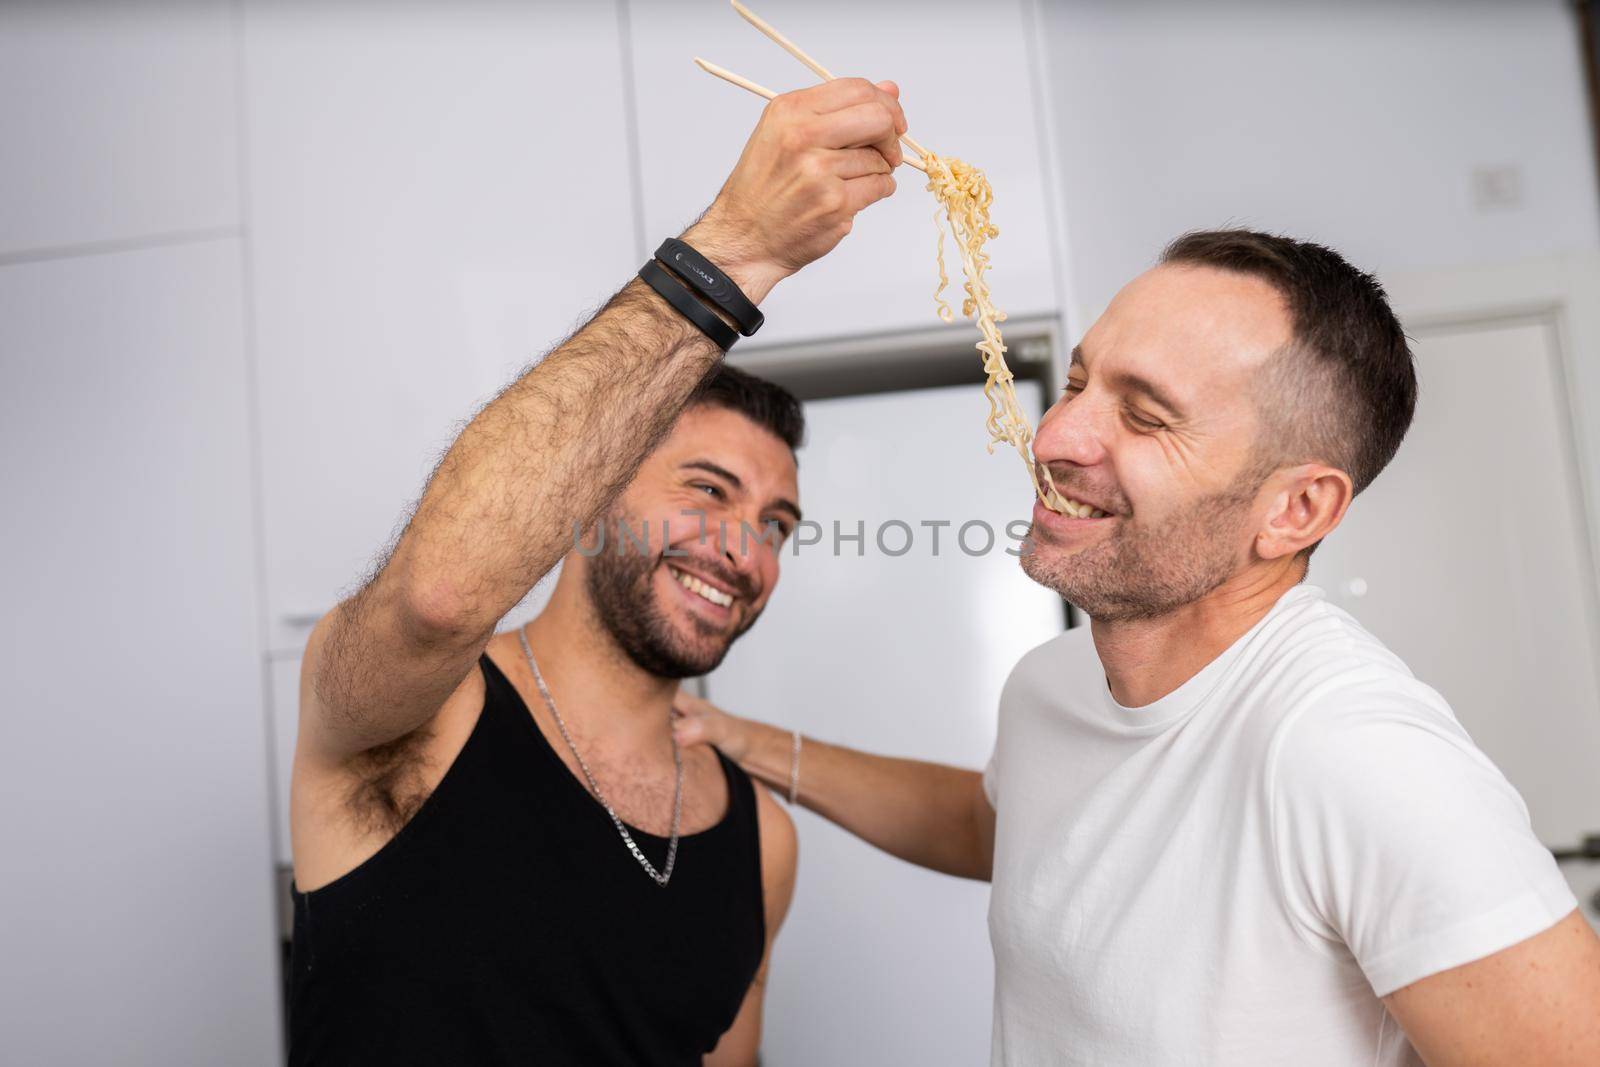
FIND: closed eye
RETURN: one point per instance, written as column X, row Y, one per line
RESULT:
column 1142, row 423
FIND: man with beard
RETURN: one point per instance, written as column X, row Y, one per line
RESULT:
column 1223, row 823
column 501, row 854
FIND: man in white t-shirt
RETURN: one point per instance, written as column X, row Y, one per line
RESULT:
column 1224, row 824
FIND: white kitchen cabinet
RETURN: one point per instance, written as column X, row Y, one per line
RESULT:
column 133, row 762
column 437, row 195
column 118, row 121
column 882, row 277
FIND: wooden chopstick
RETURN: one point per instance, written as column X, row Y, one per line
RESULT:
column 795, row 50
column 729, row 76
column 781, row 41
column 761, row 90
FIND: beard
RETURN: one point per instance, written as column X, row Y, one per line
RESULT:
column 1143, row 572
column 622, row 589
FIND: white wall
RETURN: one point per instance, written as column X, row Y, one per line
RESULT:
column 1359, row 125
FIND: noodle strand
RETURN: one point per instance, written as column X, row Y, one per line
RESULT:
column 964, row 199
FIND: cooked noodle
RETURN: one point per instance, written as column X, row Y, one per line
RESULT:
column 964, row 198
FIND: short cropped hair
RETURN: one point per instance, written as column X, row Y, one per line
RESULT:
column 1343, row 391
column 764, row 403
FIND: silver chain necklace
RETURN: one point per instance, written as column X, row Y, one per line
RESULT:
column 665, row 874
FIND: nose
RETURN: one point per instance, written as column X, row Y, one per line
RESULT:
column 741, row 547
column 1070, row 432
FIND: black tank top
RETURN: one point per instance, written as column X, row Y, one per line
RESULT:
column 507, row 923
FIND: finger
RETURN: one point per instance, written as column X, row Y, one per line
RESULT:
column 836, row 94
column 689, row 732
column 860, row 192
column 850, row 163
column 892, row 90
column 860, row 126
column 849, row 92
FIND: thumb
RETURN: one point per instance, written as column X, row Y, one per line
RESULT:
column 689, row 731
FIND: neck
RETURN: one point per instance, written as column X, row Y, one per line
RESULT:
column 591, row 679
column 1145, row 659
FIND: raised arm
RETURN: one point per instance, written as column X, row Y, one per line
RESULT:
column 925, row 813
column 561, row 441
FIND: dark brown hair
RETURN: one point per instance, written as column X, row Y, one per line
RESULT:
column 1344, row 389
column 764, row 403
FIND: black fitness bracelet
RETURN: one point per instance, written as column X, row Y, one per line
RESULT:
column 711, row 283
column 674, row 292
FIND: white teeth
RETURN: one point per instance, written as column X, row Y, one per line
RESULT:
column 1079, row 510
column 696, row 586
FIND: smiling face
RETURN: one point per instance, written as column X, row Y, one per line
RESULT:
column 675, row 603
column 1157, row 432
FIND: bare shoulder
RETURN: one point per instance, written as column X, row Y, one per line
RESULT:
column 780, row 848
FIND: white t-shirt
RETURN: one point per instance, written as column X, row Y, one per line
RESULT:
column 1236, row 873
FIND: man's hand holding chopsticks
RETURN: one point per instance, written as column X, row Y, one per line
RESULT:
column 817, row 157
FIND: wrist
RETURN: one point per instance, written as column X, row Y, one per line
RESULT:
column 755, row 275
column 765, row 753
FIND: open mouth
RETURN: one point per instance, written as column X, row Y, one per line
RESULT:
column 1072, row 507
column 1079, row 510
column 702, row 589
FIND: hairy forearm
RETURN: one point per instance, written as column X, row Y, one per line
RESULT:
column 924, row 813
column 548, row 454
column 553, row 450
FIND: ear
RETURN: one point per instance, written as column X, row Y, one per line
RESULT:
column 1305, row 504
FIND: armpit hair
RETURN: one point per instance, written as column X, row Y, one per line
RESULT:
column 390, row 787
